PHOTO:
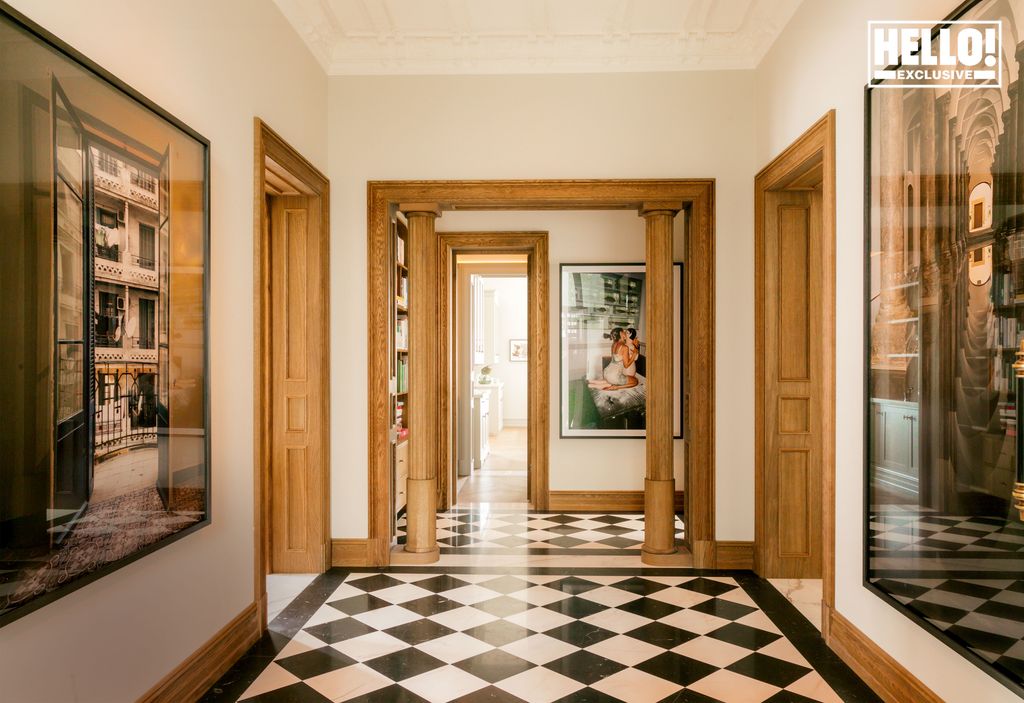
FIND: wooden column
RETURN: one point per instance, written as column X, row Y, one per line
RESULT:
column 660, row 484
column 421, row 516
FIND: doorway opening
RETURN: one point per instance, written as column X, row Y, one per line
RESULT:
column 794, row 403
column 292, row 369
column 491, row 388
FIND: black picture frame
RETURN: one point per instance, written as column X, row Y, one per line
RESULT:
column 958, row 646
column 678, row 267
column 103, row 77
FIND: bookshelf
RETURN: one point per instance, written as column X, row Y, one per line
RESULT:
column 399, row 352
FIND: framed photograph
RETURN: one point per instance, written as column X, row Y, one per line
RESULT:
column 944, row 307
column 105, row 276
column 604, row 350
column 517, row 350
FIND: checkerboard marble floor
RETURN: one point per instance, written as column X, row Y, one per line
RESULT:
column 960, row 573
column 477, row 529
column 539, row 636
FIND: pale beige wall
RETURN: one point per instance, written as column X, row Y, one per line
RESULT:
column 818, row 63
column 215, row 65
column 581, row 126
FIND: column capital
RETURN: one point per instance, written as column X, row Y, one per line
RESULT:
column 420, row 209
column 660, row 207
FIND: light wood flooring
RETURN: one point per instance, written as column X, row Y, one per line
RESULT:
column 502, row 478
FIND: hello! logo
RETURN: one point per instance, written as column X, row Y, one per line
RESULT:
column 960, row 54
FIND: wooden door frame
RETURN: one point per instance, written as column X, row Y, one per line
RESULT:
column 535, row 245
column 813, row 153
column 698, row 201
column 270, row 145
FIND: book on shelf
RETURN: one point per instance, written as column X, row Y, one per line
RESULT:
column 403, row 289
column 400, row 250
column 402, row 376
column 402, row 333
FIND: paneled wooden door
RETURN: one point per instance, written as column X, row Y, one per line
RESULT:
column 791, row 333
column 297, row 461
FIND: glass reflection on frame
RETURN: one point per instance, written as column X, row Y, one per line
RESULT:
column 103, row 272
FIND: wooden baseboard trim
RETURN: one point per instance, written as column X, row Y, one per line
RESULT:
column 597, row 501
column 194, row 676
column 350, row 552
column 886, row 676
column 734, row 555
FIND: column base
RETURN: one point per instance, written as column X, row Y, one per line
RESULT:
column 678, row 558
column 402, row 557
column 421, row 517
column 659, row 516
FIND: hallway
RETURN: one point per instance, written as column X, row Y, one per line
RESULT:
column 502, row 478
column 539, row 635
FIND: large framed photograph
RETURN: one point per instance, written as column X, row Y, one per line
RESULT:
column 604, row 350
column 104, row 365
column 944, row 303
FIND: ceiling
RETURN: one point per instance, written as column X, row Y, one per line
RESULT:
column 377, row 37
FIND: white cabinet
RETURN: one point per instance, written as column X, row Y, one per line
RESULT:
column 497, row 405
column 481, row 425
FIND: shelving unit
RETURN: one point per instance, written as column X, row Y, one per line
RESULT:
column 399, row 352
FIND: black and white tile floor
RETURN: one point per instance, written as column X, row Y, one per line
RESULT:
column 539, row 635
column 477, row 529
column 959, row 573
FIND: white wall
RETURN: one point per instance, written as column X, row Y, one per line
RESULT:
column 579, row 126
column 511, row 316
column 214, row 65
column 819, row 63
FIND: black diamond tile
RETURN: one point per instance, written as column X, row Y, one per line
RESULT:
column 937, row 611
column 460, row 541
column 573, row 586
column 506, row 584
column 974, row 590
column 900, row 588
column 689, row 696
column 1016, row 666
column 744, row 636
column 502, row 606
column 707, row 587
column 498, row 633
column 676, row 668
column 389, row 694
column 986, row 641
column 653, row 609
column 439, row 584
column 565, row 542
column 511, row 541
column 419, row 631
column 723, row 608
column 789, row 697
column 404, row 664
column 588, row 695
column 579, row 633
column 618, row 542
column 490, row 694
column 777, row 672
column 1005, row 611
column 613, row 530
column 315, row 662
column 337, row 630
column 296, row 693
column 375, row 582
column 661, row 635
column 463, row 528
column 578, row 608
column 494, row 665
column 561, row 518
column 585, row 667
column 431, row 605
column 937, row 543
column 563, row 529
column 611, row 519
column 359, row 604
column 640, row 586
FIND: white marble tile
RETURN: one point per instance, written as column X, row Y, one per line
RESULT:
column 282, row 590
column 805, row 594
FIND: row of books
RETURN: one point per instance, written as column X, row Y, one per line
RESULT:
column 401, row 431
column 1005, row 292
column 1007, row 332
column 402, row 333
column 400, row 250
column 402, row 293
column 402, row 376
column 1008, row 418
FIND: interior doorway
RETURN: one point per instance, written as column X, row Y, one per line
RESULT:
column 794, row 401
column 292, row 367
column 491, row 383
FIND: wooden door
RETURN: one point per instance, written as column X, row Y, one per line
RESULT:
column 298, row 542
column 792, row 376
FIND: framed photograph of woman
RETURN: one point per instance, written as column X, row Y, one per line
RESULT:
column 604, row 350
